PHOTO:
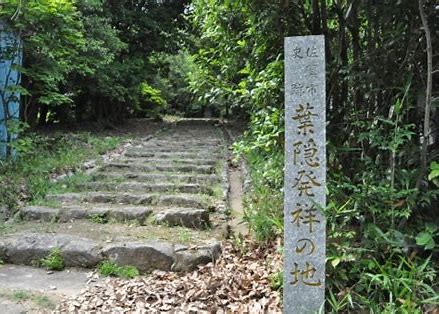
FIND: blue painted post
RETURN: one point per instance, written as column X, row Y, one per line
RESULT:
column 10, row 57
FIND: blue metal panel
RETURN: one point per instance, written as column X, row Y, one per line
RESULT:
column 10, row 55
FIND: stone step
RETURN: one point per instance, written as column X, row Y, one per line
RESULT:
column 63, row 214
column 170, row 155
column 145, row 187
column 185, row 142
column 157, row 168
column 149, row 160
column 165, row 178
column 146, row 256
column 178, row 200
column 177, row 150
column 185, row 217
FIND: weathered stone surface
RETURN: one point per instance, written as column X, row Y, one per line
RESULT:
column 102, row 197
column 175, row 175
column 186, row 217
column 187, row 259
column 39, row 213
column 184, row 200
column 119, row 213
column 136, row 152
column 127, row 213
column 29, row 248
column 187, row 142
column 115, row 166
column 305, row 175
column 188, row 161
column 206, row 179
column 146, row 188
column 175, row 150
column 145, row 256
column 5, row 213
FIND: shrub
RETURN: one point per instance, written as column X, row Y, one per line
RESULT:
column 54, row 260
column 108, row 268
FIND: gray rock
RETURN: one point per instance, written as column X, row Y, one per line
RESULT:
column 185, row 161
column 29, row 248
column 103, row 197
column 136, row 152
column 136, row 167
column 119, row 213
column 145, row 256
column 187, row 259
column 145, row 188
column 39, row 213
column 5, row 213
column 181, row 200
column 125, row 213
column 186, row 217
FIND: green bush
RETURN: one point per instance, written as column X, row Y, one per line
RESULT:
column 151, row 103
column 54, row 260
column 108, row 268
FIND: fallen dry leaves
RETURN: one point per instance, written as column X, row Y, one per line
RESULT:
column 238, row 282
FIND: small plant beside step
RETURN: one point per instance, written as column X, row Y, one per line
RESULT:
column 108, row 268
column 54, row 260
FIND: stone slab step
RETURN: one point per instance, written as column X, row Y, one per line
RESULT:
column 187, row 140
column 178, row 200
column 178, row 149
column 186, row 217
column 30, row 248
column 161, row 161
column 146, row 256
column 155, row 168
column 182, row 144
column 205, row 179
column 170, row 155
column 68, row 213
column 145, row 188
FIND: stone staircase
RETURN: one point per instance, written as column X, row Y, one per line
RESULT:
column 162, row 205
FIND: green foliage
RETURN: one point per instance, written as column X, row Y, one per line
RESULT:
column 86, row 59
column 108, row 268
column 426, row 237
column 172, row 79
column 54, row 260
column 263, row 205
column 378, row 205
column 276, row 280
column 434, row 173
column 41, row 301
column 29, row 178
column 99, row 218
column 151, row 101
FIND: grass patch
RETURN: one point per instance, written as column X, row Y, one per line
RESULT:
column 217, row 191
column 54, row 260
column 263, row 204
column 43, row 301
column 20, row 296
column 108, row 268
column 28, row 179
column 99, row 218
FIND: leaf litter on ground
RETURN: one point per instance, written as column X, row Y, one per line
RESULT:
column 238, row 282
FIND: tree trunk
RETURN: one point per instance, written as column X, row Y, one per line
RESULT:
column 428, row 91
